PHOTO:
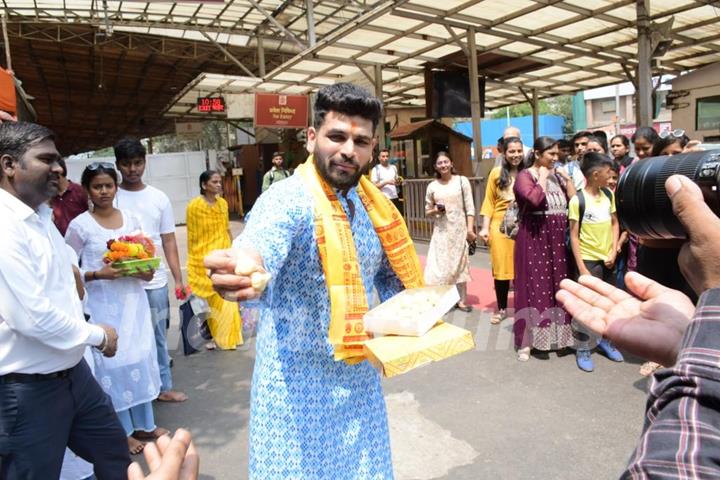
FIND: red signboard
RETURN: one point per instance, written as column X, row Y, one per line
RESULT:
column 275, row 110
column 211, row 104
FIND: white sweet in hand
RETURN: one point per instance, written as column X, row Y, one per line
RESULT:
column 245, row 266
column 259, row 280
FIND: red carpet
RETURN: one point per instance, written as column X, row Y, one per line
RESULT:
column 480, row 290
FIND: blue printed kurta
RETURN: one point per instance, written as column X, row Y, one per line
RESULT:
column 310, row 416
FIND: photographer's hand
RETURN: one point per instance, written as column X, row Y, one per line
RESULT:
column 699, row 260
column 169, row 459
column 650, row 324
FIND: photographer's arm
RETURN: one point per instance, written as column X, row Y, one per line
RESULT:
column 679, row 406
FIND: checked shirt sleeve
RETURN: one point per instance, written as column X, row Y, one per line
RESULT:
column 682, row 424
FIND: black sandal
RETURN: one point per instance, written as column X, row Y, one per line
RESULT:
column 466, row 308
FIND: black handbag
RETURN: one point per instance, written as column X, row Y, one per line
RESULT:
column 472, row 244
column 194, row 328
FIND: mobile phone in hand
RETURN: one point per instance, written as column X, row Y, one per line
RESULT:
column 440, row 207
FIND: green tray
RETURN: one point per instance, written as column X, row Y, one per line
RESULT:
column 135, row 266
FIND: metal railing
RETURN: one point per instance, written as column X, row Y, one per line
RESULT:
column 414, row 190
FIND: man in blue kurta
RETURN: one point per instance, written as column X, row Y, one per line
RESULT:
column 313, row 417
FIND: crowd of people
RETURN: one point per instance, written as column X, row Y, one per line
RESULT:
column 84, row 349
column 549, row 214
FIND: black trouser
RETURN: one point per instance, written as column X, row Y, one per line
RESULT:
column 38, row 419
column 398, row 204
column 599, row 270
column 584, row 338
column 502, row 287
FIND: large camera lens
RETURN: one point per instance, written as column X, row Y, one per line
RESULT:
column 644, row 207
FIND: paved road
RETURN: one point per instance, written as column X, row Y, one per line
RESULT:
column 478, row 415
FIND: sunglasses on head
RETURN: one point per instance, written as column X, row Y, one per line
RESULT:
column 103, row 165
column 678, row 132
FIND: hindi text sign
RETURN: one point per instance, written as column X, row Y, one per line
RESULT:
column 275, row 110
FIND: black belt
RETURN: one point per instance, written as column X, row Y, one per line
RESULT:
column 33, row 377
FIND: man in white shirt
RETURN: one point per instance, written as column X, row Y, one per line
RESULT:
column 48, row 396
column 153, row 208
column 579, row 144
column 386, row 178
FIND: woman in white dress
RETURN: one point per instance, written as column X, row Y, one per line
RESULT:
column 449, row 201
column 131, row 377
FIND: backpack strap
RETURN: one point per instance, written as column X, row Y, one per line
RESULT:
column 607, row 193
column 581, row 209
column 581, row 204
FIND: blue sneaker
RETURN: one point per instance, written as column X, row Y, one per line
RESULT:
column 584, row 360
column 610, row 352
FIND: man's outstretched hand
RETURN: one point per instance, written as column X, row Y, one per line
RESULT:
column 221, row 266
column 650, row 324
column 174, row 459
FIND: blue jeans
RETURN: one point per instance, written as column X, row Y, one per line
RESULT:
column 160, row 313
column 620, row 268
column 38, row 419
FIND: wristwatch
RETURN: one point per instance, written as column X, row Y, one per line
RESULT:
column 103, row 344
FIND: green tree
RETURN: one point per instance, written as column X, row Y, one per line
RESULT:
column 560, row 105
column 214, row 137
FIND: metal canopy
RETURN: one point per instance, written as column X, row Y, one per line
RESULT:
column 569, row 45
column 552, row 46
column 99, row 70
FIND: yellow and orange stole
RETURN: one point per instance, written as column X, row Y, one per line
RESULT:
column 348, row 300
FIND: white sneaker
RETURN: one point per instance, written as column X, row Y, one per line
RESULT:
column 523, row 354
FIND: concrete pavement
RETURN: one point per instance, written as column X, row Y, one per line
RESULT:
column 481, row 414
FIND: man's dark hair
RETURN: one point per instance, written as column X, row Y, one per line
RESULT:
column 562, row 143
column 61, row 162
column 591, row 161
column 16, row 138
column 128, row 148
column 581, row 134
column 384, row 150
column 347, row 99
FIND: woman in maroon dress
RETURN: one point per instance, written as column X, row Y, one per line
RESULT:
column 542, row 194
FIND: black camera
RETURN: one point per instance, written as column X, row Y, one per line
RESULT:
column 643, row 205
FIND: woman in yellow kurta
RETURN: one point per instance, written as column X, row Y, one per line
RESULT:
column 498, row 196
column 208, row 229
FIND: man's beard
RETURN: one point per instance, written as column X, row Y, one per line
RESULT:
column 337, row 178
